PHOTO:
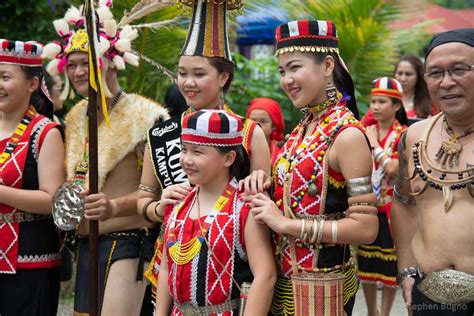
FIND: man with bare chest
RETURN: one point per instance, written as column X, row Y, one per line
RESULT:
column 433, row 207
column 125, row 238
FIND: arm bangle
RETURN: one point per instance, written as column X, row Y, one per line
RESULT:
column 334, row 231
column 320, row 231
column 314, row 232
column 159, row 218
column 144, row 211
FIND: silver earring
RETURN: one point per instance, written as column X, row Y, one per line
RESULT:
column 331, row 92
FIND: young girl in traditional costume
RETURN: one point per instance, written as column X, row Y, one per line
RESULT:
column 323, row 198
column 378, row 261
column 205, row 73
column 211, row 240
column 31, row 169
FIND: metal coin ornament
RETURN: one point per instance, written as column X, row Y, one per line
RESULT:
column 68, row 206
column 313, row 189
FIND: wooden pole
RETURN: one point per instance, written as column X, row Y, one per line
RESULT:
column 93, row 169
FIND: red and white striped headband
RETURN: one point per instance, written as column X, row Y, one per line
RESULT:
column 212, row 128
column 387, row 87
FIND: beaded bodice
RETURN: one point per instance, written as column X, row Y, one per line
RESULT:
column 314, row 189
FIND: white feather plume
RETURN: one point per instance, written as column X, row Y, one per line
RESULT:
column 73, row 15
column 52, row 67
column 131, row 59
column 104, row 45
column 104, row 14
column 128, row 33
column 61, row 27
column 50, row 51
column 110, row 27
column 123, row 45
column 119, row 63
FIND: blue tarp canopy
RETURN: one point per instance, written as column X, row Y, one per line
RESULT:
column 257, row 27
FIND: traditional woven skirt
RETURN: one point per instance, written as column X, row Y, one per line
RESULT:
column 378, row 261
column 283, row 304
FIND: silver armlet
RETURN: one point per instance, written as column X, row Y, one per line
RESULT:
column 146, row 188
column 359, row 186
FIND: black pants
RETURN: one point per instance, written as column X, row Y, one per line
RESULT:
column 29, row 292
column 423, row 306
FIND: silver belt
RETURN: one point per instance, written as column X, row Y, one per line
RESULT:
column 20, row 217
column 448, row 287
column 190, row 310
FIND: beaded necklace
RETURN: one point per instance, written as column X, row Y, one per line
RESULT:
column 327, row 127
column 182, row 253
column 427, row 170
column 12, row 143
column 83, row 166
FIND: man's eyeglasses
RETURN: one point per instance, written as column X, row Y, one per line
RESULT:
column 456, row 72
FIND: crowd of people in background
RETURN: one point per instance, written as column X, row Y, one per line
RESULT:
column 205, row 212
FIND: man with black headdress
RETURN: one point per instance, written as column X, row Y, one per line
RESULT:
column 432, row 214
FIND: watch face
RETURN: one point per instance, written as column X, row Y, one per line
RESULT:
column 411, row 270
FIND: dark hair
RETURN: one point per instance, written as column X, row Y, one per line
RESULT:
column 241, row 166
column 223, row 65
column 342, row 80
column 174, row 101
column 401, row 114
column 422, row 101
column 38, row 99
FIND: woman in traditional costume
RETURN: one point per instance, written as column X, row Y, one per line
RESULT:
column 205, row 74
column 31, row 169
column 323, row 199
column 268, row 114
column 212, row 244
column 377, row 262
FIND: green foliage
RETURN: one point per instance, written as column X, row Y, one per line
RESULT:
column 259, row 78
column 30, row 20
column 455, row 4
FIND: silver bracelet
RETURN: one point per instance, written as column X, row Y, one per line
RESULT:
column 358, row 181
column 314, row 232
column 320, row 231
column 334, row 231
column 360, row 190
column 302, row 229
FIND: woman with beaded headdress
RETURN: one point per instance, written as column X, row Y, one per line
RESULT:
column 31, row 169
column 212, row 245
column 322, row 193
column 125, row 239
column 205, row 74
column 377, row 262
